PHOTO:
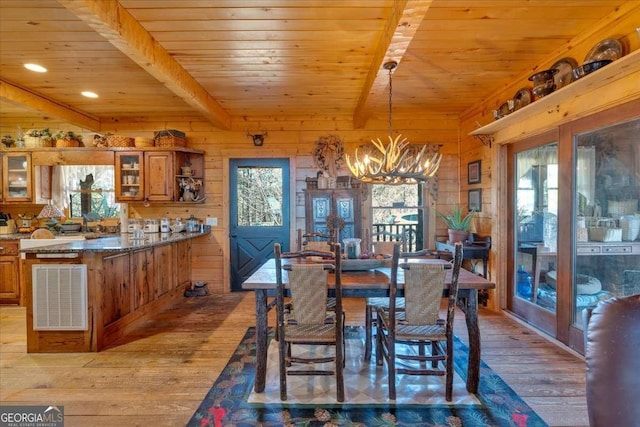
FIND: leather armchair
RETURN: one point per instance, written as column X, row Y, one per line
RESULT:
column 613, row 363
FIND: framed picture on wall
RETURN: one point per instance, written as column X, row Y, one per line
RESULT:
column 473, row 172
column 475, row 199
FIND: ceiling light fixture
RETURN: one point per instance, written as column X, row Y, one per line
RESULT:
column 89, row 94
column 35, row 67
column 397, row 162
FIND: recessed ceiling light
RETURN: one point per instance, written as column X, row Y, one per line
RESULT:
column 35, row 67
column 89, row 94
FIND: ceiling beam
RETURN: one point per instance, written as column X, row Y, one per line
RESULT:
column 402, row 25
column 12, row 93
column 113, row 22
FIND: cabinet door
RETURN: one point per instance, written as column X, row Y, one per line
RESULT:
column 159, row 176
column 183, row 263
column 9, row 273
column 347, row 207
column 319, row 204
column 144, row 277
column 164, row 268
column 128, row 176
column 116, row 298
column 17, row 177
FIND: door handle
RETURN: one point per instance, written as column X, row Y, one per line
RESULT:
column 233, row 235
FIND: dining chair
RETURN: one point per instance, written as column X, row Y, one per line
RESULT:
column 310, row 324
column 420, row 324
column 314, row 241
column 373, row 303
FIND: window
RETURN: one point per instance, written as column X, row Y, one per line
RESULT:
column 398, row 209
column 86, row 188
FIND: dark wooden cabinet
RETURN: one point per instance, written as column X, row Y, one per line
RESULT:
column 345, row 203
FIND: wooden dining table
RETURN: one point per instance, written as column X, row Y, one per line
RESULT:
column 367, row 283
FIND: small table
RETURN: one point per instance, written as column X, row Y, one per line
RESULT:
column 370, row 283
column 478, row 249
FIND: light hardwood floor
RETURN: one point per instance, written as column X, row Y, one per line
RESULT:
column 159, row 375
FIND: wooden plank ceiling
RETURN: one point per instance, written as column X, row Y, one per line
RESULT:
column 226, row 60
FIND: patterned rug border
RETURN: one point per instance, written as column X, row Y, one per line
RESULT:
column 226, row 402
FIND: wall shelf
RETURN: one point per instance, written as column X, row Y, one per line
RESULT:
column 619, row 69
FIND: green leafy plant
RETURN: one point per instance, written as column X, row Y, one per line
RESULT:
column 38, row 133
column 456, row 221
column 68, row 136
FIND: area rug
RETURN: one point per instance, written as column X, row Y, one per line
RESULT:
column 226, row 404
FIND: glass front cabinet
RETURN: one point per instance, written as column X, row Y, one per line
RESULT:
column 129, row 177
column 16, row 177
column 575, row 235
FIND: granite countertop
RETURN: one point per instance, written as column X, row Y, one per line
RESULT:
column 119, row 243
column 87, row 235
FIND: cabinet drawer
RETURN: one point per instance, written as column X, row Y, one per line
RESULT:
column 588, row 249
column 617, row 249
column 8, row 248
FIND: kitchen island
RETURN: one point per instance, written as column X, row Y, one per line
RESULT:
column 83, row 296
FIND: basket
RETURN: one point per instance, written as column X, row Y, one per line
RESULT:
column 630, row 226
column 170, row 138
column 618, row 208
column 582, row 235
column 66, row 143
column 606, row 231
column 312, row 183
column 594, row 221
column 141, row 142
column 119, row 141
column 32, row 141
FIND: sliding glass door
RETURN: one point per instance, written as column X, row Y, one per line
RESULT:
column 574, row 220
column 533, row 266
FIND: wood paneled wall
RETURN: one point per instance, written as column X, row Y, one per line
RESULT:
column 291, row 137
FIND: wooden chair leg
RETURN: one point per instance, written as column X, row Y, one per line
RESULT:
column 282, row 351
column 368, row 322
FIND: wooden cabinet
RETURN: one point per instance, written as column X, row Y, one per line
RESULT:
column 116, row 291
column 143, row 277
column 165, row 279
column 128, row 176
column 157, row 175
column 345, row 203
column 183, row 264
column 159, row 171
column 9, row 272
column 16, row 178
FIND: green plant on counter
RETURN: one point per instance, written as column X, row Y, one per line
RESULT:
column 456, row 220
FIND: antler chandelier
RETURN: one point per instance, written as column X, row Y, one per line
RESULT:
column 396, row 163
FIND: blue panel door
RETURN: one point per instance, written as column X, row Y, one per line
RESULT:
column 258, row 212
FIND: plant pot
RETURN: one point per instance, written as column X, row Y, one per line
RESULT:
column 457, row 235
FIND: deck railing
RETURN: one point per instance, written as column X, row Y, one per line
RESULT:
column 411, row 233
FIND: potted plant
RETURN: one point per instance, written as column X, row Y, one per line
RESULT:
column 37, row 138
column 458, row 224
column 68, row 139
